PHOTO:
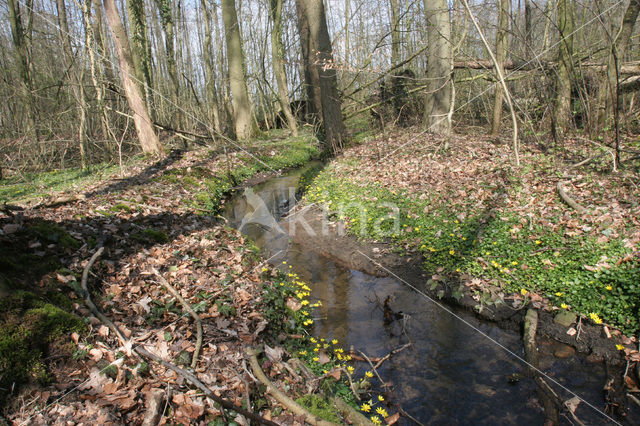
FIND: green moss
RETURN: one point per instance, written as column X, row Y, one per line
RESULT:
column 150, row 235
column 121, row 207
column 319, row 406
column 51, row 233
column 27, row 326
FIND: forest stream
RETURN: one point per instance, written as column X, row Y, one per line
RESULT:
column 451, row 374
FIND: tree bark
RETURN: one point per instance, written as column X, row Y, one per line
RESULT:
column 164, row 9
column 440, row 61
column 144, row 127
column 562, row 116
column 210, row 75
column 321, row 59
column 140, row 49
column 277, row 54
column 237, row 81
column 311, row 78
column 395, row 32
column 501, row 53
column 607, row 92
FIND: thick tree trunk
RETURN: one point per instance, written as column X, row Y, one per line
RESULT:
column 144, row 127
column 501, row 53
column 277, row 54
column 311, row 78
column 235, row 59
column 321, row 59
column 562, row 117
column 440, row 62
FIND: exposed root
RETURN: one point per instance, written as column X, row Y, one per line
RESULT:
column 567, row 199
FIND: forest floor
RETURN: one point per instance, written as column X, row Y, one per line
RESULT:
column 60, row 364
column 494, row 237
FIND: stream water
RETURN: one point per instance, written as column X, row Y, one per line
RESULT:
column 452, row 374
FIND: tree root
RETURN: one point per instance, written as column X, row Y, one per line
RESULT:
column 188, row 308
column 567, row 199
column 283, row 399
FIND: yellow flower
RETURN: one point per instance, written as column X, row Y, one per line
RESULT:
column 302, row 353
column 369, row 374
column 304, row 302
column 495, row 243
column 609, row 288
column 564, row 306
column 431, row 249
column 452, row 252
column 316, row 349
column 559, row 293
column 538, row 242
column 316, row 359
column 350, row 369
column 514, row 263
column 380, row 398
column 382, row 412
column 620, row 347
column 595, row 318
column 313, row 340
column 523, row 292
column 375, row 420
column 265, row 269
column 365, row 407
column 334, row 341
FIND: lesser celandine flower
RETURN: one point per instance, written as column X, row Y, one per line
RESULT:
column 365, row 407
column 619, row 347
column 369, row 374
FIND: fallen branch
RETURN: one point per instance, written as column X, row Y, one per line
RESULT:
column 352, row 415
column 603, row 147
column 188, row 308
column 393, row 352
column 62, row 199
column 570, row 201
column 283, row 399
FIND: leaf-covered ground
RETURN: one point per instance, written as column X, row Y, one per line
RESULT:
column 498, row 229
column 60, row 365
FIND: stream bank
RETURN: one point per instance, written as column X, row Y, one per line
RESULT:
column 448, row 357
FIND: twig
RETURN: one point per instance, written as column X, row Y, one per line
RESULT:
column 188, row 308
column 280, row 396
column 567, row 199
column 393, row 352
column 384, row 384
column 613, row 157
column 197, row 383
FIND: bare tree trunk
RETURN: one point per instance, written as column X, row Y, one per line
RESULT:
column 347, row 35
column 144, row 126
column 311, row 78
column 22, row 61
column 321, row 60
column 140, row 49
column 528, row 27
column 210, row 75
column 164, row 8
column 606, row 99
column 277, row 53
column 438, row 100
column 235, row 59
column 501, row 53
column 562, row 102
column 395, row 32
column 75, row 78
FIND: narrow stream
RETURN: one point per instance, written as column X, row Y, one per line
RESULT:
column 452, row 374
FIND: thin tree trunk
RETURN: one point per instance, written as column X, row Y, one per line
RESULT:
column 438, row 100
column 395, row 32
column 140, row 49
column 144, row 126
column 347, row 36
column 277, row 53
column 606, row 99
column 237, row 81
column 501, row 53
column 166, row 17
column 210, row 75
